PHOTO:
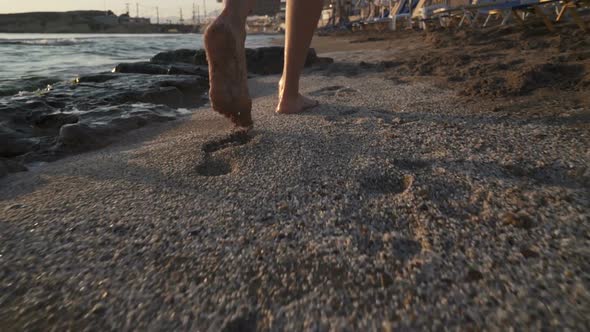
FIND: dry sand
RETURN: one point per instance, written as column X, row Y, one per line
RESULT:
column 394, row 205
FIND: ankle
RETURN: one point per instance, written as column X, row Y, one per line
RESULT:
column 288, row 99
column 288, row 92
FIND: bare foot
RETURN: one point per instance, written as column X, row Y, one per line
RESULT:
column 295, row 105
column 228, row 77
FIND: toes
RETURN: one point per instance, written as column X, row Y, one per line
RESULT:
column 301, row 104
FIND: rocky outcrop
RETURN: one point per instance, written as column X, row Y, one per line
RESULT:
column 10, row 166
column 179, row 56
column 261, row 61
column 160, row 69
column 89, row 112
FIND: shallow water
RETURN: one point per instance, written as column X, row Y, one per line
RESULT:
column 31, row 61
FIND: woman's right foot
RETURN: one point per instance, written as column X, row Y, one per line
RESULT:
column 295, row 105
column 228, row 76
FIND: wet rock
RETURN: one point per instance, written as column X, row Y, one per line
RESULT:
column 96, row 78
column 8, row 166
column 160, row 69
column 54, row 121
column 141, row 68
column 188, row 70
column 200, row 58
column 270, row 60
column 144, row 88
column 192, row 89
column 262, row 61
column 83, row 136
column 87, row 112
column 32, row 123
column 176, row 56
column 170, row 96
column 80, row 136
column 11, row 146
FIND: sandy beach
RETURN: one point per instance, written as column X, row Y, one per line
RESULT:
column 403, row 201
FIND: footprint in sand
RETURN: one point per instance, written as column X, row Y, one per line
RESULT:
column 217, row 166
column 214, row 167
column 327, row 91
column 387, row 183
column 405, row 248
column 338, row 91
column 234, row 139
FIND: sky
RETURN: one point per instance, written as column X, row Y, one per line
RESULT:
column 147, row 8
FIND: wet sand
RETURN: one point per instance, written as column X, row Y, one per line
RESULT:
column 398, row 203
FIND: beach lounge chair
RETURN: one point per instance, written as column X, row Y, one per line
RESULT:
column 506, row 10
column 402, row 10
column 447, row 16
column 572, row 6
column 520, row 12
column 424, row 15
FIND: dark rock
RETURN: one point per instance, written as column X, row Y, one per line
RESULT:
column 97, row 78
column 192, row 89
column 323, row 61
column 200, row 58
column 176, row 56
column 81, row 136
column 54, row 121
column 11, row 146
column 8, row 166
column 182, row 69
column 13, row 87
column 270, row 60
column 137, row 120
column 55, row 103
column 35, row 104
column 75, row 116
column 141, row 68
column 266, row 60
column 169, row 95
column 160, row 69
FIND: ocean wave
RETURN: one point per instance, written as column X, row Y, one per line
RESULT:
column 45, row 42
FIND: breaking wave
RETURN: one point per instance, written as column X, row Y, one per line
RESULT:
column 45, row 42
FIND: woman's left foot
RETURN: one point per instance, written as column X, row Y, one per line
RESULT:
column 295, row 105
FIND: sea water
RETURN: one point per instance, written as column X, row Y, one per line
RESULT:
column 32, row 61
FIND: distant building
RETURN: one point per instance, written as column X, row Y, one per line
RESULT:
column 82, row 21
column 267, row 7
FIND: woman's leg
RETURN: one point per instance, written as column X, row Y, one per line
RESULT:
column 228, row 77
column 302, row 20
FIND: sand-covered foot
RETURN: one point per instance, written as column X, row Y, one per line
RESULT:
column 228, row 76
column 295, row 105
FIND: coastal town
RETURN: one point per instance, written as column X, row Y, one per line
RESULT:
column 267, row 16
